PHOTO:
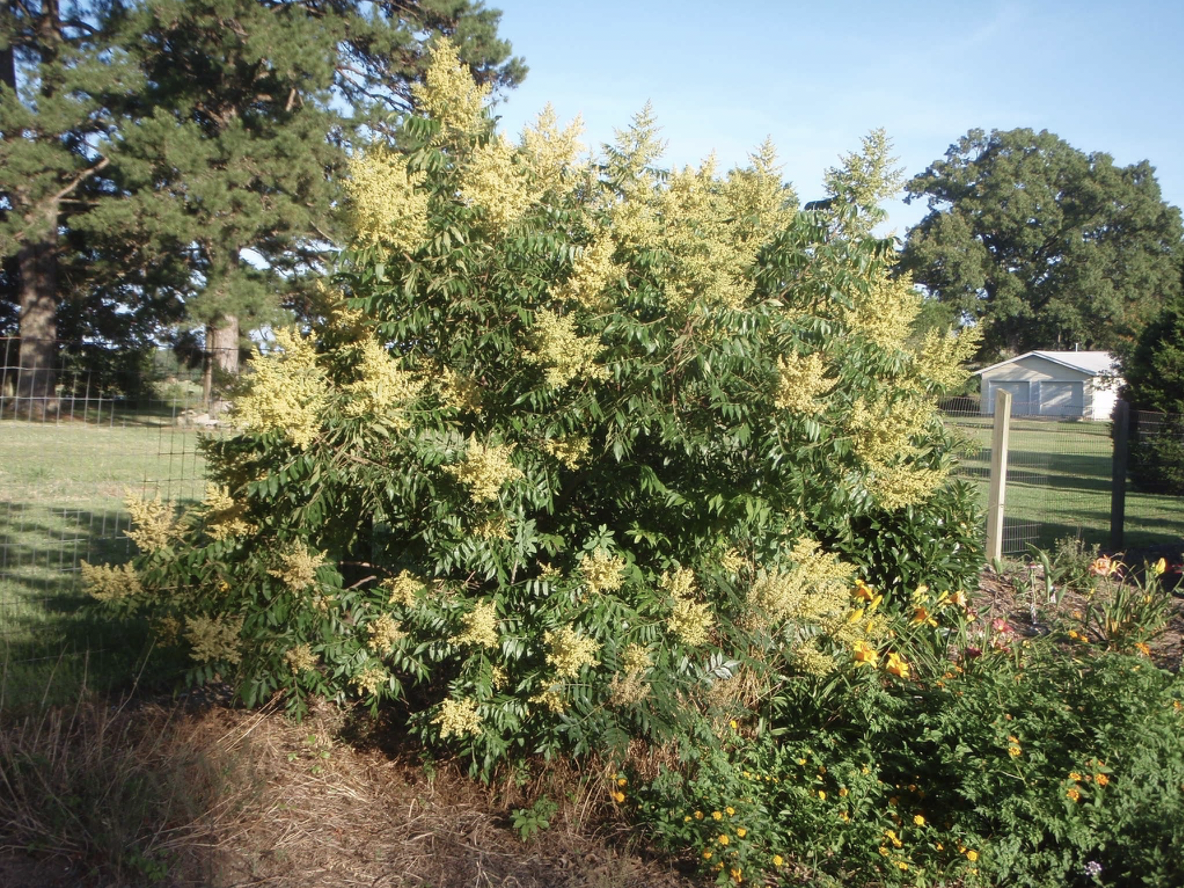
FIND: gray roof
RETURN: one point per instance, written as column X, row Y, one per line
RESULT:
column 1095, row 363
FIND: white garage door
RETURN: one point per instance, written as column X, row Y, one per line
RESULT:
column 1020, row 396
column 1062, row 399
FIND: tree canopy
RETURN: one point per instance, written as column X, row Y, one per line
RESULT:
column 167, row 159
column 1043, row 245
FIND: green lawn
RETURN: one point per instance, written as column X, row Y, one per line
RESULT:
column 62, row 490
column 1059, row 485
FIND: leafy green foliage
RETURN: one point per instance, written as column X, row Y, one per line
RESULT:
column 565, row 462
column 1154, row 376
column 1044, row 245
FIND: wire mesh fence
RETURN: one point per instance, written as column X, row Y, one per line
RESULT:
column 71, row 453
column 1060, row 483
column 108, row 427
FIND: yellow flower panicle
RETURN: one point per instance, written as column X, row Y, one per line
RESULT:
column 224, row 514
column 549, row 153
column 388, row 203
column 371, row 679
column 593, row 272
column 404, row 588
column 571, row 452
column 214, row 639
column 569, row 652
column 450, row 96
column 690, row 621
column 153, row 526
column 563, row 352
column 602, row 572
column 299, row 568
column 459, row 392
column 458, row 718
column 106, row 583
column 382, row 386
column 492, row 181
column 301, row 659
column 385, row 632
column 485, row 468
column 480, row 626
column 801, row 381
column 287, row 391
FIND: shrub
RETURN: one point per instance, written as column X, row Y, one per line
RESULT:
column 578, row 451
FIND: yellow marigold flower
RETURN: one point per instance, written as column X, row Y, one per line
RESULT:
column 602, row 572
column 458, row 718
column 698, row 815
column 884, row 852
column 1074, row 794
column 844, row 816
column 1101, row 779
column 903, row 866
column 730, row 811
column 919, row 820
column 384, row 633
column 707, row 855
column 484, row 469
column 568, row 651
column 299, row 568
column 618, row 797
column 741, row 832
column 778, row 860
column 717, row 815
column 843, row 792
column 1075, row 776
column 972, row 856
column 822, row 795
column 1014, row 751
column 106, row 583
column 622, row 781
column 737, row 874
column 214, row 639
column 480, row 626
column 403, row 588
column 388, row 203
column 723, row 839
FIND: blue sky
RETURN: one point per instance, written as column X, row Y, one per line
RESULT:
column 816, row 76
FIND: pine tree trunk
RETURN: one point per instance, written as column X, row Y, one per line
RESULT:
column 37, row 376
column 221, row 364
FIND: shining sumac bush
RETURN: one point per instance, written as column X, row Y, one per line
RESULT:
column 578, row 449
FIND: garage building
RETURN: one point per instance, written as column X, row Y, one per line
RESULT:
column 1082, row 384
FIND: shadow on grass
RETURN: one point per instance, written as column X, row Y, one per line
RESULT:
column 54, row 639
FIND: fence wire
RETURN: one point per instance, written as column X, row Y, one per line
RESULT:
column 71, row 454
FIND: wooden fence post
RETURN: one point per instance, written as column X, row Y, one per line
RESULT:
column 998, row 482
column 1122, row 424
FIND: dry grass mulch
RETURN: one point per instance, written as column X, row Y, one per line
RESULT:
column 301, row 808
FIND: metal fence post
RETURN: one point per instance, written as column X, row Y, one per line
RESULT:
column 998, row 482
column 1122, row 424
